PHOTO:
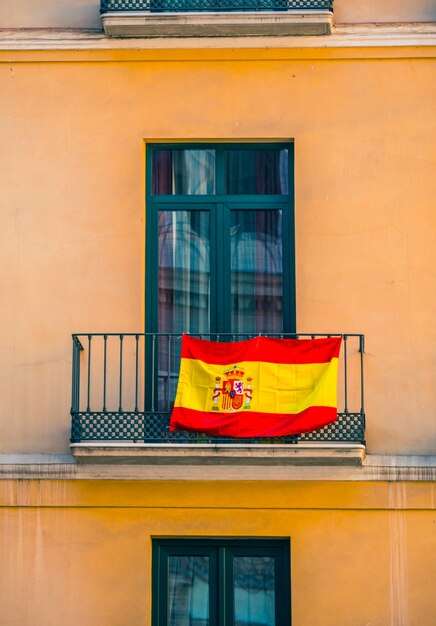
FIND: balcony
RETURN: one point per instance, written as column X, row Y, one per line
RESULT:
column 216, row 18
column 123, row 389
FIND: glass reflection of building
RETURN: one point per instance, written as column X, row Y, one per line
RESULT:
column 253, row 591
column 220, row 244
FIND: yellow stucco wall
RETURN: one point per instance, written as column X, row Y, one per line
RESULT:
column 79, row 552
column 72, row 208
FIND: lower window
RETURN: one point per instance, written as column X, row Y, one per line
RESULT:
column 221, row 582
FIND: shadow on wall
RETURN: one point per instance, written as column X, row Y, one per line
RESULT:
column 384, row 11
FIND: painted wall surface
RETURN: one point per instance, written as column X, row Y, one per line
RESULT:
column 369, row 11
column 85, row 13
column 360, row 554
column 72, row 214
column 50, row 14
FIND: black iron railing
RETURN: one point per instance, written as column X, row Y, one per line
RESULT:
column 124, row 385
column 221, row 6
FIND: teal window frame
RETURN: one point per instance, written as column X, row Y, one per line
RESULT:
column 219, row 206
column 221, row 553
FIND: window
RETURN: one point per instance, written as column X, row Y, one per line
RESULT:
column 220, row 244
column 221, row 582
column 220, row 225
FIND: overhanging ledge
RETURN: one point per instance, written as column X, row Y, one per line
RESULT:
column 244, row 24
column 308, row 454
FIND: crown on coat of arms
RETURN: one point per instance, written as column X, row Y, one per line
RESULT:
column 235, row 373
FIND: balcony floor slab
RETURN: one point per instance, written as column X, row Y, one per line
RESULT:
column 308, row 454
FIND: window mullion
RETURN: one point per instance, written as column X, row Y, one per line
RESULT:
column 223, row 283
column 223, row 600
column 214, row 270
column 214, row 587
column 222, row 243
column 289, row 263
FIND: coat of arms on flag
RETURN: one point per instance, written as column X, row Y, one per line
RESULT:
column 234, row 392
column 262, row 387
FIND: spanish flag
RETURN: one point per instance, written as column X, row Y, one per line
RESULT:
column 262, row 387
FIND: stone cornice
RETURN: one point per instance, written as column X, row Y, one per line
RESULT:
column 375, row 468
column 392, row 41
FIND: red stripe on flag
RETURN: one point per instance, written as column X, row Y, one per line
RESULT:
column 247, row 424
column 262, row 349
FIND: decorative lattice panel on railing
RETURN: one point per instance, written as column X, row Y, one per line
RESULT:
column 186, row 6
column 153, row 428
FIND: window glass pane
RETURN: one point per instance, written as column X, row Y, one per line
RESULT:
column 256, row 264
column 184, row 271
column 254, row 590
column 183, row 289
column 188, row 591
column 183, row 172
column 256, row 171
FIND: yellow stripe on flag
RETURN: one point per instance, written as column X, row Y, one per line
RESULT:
column 276, row 387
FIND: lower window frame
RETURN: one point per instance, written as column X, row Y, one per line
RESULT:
column 221, row 550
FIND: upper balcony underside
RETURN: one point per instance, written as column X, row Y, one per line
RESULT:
column 216, row 18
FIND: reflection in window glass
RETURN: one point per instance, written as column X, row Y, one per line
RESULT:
column 188, row 591
column 183, row 289
column 183, row 271
column 256, row 264
column 183, row 172
column 257, row 171
column 254, row 590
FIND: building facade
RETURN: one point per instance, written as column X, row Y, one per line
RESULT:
column 228, row 173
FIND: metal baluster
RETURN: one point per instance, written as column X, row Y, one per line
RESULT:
column 121, row 374
column 136, row 371
column 76, row 430
column 168, row 373
column 345, row 376
column 88, row 402
column 104, row 372
column 153, row 369
column 74, row 407
column 78, row 376
column 361, row 350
